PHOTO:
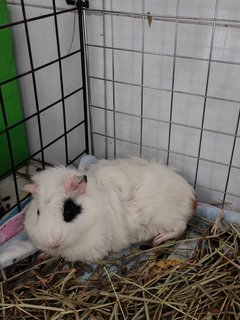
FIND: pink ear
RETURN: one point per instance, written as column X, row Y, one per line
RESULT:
column 76, row 185
column 32, row 188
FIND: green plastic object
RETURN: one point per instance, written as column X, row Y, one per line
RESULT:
column 11, row 100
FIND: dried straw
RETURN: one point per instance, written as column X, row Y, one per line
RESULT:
column 205, row 287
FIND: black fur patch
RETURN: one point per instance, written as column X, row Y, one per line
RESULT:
column 70, row 210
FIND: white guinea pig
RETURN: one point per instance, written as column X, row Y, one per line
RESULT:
column 86, row 215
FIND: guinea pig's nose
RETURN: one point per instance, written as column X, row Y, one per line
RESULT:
column 55, row 241
column 54, row 245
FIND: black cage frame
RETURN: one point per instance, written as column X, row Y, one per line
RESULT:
column 78, row 7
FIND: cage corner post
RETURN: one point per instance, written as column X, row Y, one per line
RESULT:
column 81, row 5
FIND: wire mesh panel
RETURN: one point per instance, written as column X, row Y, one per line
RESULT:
column 47, row 61
column 163, row 79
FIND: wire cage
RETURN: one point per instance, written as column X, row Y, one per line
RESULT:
column 162, row 84
column 50, row 75
column 155, row 79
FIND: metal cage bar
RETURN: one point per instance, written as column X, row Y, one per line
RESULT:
column 33, row 80
column 83, row 69
column 173, row 80
column 206, row 91
column 113, row 84
column 142, row 80
column 61, row 81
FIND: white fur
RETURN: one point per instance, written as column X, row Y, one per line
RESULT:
column 126, row 201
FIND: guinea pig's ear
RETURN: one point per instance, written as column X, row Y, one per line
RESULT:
column 32, row 188
column 76, row 185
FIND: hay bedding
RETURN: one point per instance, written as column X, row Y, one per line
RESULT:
column 139, row 283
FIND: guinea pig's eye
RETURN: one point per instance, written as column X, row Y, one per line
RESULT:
column 38, row 213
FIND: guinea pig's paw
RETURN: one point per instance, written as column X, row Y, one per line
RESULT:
column 164, row 236
column 43, row 256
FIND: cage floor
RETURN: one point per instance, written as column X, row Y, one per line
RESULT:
column 142, row 284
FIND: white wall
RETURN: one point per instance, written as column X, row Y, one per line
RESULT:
column 44, row 49
column 193, row 40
